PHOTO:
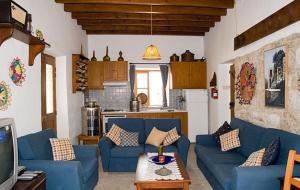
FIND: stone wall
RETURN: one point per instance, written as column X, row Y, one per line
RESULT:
column 288, row 118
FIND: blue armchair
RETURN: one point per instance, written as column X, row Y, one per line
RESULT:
column 124, row 159
column 80, row 174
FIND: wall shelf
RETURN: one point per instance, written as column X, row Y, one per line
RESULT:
column 36, row 46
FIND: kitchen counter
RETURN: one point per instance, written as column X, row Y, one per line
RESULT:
column 144, row 111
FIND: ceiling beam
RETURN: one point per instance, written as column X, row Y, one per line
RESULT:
column 143, row 9
column 124, row 22
column 110, row 16
column 146, row 28
column 132, row 32
column 196, row 3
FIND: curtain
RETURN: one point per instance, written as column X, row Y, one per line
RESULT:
column 164, row 69
column 132, row 79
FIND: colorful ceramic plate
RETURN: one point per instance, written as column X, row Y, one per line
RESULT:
column 17, row 72
column 155, row 160
column 5, row 96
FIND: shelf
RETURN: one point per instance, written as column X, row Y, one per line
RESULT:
column 36, row 46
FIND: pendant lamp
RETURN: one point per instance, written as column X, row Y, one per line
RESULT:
column 152, row 52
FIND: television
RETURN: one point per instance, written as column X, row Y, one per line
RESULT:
column 8, row 154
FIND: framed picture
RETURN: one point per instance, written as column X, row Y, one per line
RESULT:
column 18, row 15
column 275, row 77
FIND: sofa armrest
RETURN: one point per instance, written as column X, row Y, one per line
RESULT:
column 205, row 140
column 259, row 178
column 59, row 174
column 85, row 151
column 105, row 144
column 183, row 145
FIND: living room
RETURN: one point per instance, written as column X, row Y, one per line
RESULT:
column 182, row 80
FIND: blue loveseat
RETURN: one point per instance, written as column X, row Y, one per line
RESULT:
column 221, row 168
column 124, row 159
column 80, row 174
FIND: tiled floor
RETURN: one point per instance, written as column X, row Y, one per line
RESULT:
column 125, row 181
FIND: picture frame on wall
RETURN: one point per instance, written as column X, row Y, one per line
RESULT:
column 18, row 15
column 275, row 64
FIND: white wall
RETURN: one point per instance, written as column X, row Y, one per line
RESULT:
column 134, row 46
column 219, row 42
column 65, row 38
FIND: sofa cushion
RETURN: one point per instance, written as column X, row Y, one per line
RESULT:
column 129, row 138
column 230, row 140
column 288, row 141
column 162, row 124
column 89, row 165
column 214, row 155
column 127, row 152
column 151, row 148
column 272, row 152
column 225, row 128
column 156, row 137
column 250, row 136
column 171, row 138
column 130, row 125
column 36, row 146
column 62, row 149
column 255, row 159
column 114, row 134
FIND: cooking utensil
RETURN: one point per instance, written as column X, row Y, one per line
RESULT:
column 143, row 97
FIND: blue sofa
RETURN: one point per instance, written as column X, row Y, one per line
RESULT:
column 80, row 174
column 124, row 159
column 221, row 168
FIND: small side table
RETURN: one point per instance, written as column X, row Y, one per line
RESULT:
column 38, row 183
column 88, row 139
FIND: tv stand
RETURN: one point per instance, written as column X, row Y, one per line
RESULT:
column 38, row 183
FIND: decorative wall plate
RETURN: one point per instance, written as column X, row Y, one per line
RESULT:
column 17, row 72
column 5, row 96
column 245, row 85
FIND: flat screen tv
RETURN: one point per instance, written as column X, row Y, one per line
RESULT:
column 8, row 154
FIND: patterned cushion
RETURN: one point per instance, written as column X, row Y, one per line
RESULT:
column 114, row 134
column 129, row 138
column 272, row 152
column 171, row 137
column 225, row 128
column 156, row 137
column 62, row 149
column 230, row 140
column 255, row 159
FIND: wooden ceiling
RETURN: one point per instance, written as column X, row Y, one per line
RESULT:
column 170, row 17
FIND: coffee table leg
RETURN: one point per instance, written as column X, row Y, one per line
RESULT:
column 186, row 186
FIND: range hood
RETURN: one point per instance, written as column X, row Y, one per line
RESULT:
column 115, row 83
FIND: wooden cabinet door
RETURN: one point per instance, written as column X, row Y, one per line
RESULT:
column 180, row 75
column 122, row 70
column 110, row 71
column 197, row 75
column 95, row 75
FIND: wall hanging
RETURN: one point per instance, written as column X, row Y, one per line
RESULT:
column 299, row 84
column 5, row 96
column 274, row 62
column 245, row 85
column 17, row 72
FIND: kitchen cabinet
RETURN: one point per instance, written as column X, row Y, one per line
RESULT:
column 115, row 70
column 189, row 75
column 95, row 78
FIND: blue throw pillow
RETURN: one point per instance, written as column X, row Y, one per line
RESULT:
column 129, row 138
column 225, row 128
column 271, row 153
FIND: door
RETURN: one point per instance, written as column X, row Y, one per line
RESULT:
column 232, row 90
column 122, row 71
column 180, row 75
column 95, row 75
column 198, row 75
column 48, row 78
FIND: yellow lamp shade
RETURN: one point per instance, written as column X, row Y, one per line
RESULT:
column 151, row 53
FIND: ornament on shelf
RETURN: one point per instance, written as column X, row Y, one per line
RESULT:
column 299, row 83
column 106, row 57
column 246, row 82
column 5, row 96
column 94, row 58
column 17, row 72
column 39, row 35
column 120, row 56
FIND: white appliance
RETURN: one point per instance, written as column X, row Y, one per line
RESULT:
column 196, row 104
column 106, row 117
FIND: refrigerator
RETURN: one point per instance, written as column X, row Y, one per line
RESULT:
column 196, row 104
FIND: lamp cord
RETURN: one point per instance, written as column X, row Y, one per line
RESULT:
column 151, row 19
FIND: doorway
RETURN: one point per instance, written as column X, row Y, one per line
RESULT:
column 232, row 90
column 48, row 86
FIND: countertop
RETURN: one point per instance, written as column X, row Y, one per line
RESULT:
column 146, row 111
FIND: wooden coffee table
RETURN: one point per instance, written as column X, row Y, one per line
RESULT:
column 141, row 171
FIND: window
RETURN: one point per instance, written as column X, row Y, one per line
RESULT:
column 150, row 83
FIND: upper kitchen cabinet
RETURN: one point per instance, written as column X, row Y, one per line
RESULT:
column 189, row 75
column 115, row 70
column 95, row 77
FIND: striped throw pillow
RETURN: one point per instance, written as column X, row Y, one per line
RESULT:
column 129, row 138
column 62, row 149
column 114, row 134
column 171, row 137
column 255, row 159
column 230, row 140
